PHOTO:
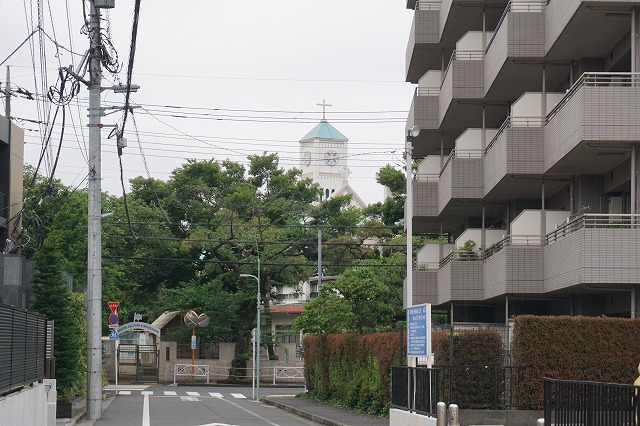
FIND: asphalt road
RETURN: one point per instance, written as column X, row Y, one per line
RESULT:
column 196, row 406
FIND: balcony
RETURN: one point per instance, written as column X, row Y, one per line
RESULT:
column 597, row 117
column 461, row 174
column 438, row 25
column 423, row 48
column 593, row 250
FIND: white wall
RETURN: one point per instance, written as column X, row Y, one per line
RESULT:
column 492, row 236
column 472, row 41
column 471, row 140
column 530, row 104
column 431, row 79
column 25, row 408
column 527, row 224
column 430, row 165
column 430, row 253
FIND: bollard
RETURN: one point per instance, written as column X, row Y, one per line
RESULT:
column 540, row 422
column 453, row 415
column 441, row 414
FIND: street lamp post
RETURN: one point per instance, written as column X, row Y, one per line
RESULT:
column 408, row 212
column 257, row 357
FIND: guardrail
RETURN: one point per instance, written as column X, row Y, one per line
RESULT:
column 190, row 370
column 289, row 373
column 23, row 348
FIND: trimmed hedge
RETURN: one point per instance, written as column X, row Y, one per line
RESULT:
column 474, row 385
column 351, row 370
column 574, row 348
column 470, row 347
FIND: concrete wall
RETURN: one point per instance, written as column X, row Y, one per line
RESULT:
column 27, row 407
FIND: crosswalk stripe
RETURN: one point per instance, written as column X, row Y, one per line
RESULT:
column 124, row 393
column 193, row 393
column 147, row 392
column 170, row 393
column 238, row 396
column 215, row 394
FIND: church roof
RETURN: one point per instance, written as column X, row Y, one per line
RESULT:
column 324, row 130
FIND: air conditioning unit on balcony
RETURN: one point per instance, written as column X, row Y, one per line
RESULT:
column 615, row 205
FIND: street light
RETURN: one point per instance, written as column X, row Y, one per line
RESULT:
column 408, row 211
column 257, row 356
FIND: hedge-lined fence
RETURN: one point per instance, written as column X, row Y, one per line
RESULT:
column 574, row 348
column 353, row 370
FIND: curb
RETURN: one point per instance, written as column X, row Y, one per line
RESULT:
column 304, row 414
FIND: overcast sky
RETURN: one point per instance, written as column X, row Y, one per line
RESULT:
column 241, row 77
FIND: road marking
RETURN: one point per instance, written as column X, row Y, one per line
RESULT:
column 124, row 393
column 147, row 393
column 193, row 393
column 189, row 398
column 215, row 394
column 251, row 412
column 146, row 418
column 170, row 393
column 238, row 396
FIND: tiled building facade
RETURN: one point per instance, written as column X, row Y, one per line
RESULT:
column 529, row 146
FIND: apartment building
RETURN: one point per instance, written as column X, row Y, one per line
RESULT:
column 528, row 155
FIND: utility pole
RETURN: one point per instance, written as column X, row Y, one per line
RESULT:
column 94, row 246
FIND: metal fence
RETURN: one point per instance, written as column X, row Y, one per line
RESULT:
column 493, row 387
column 415, row 389
column 23, row 348
column 568, row 402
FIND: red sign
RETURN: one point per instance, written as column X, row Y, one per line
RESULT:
column 113, row 306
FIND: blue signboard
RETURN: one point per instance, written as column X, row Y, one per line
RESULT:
column 419, row 330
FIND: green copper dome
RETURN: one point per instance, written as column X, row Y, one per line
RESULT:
column 324, row 130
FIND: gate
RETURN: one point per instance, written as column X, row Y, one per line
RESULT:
column 138, row 363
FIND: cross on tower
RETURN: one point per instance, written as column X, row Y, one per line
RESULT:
column 324, row 104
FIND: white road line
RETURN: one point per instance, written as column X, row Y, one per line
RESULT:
column 124, row 393
column 170, row 393
column 193, row 393
column 146, row 418
column 146, row 393
column 250, row 412
column 215, row 394
column 238, row 396
column 189, row 398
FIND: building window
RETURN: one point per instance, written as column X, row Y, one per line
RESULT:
column 285, row 334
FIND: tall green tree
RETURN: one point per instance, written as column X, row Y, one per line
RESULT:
column 365, row 299
column 54, row 300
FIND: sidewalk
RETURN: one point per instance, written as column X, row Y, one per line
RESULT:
column 323, row 413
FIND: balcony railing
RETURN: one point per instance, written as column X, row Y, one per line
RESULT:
column 462, row 256
column 581, row 221
column 596, row 79
column 591, row 220
column 427, row 91
column 428, row 5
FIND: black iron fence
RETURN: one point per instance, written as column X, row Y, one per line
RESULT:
column 568, row 402
column 23, row 346
column 493, row 387
column 415, row 389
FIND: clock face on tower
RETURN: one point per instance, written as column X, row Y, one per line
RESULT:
column 306, row 158
column 331, row 157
